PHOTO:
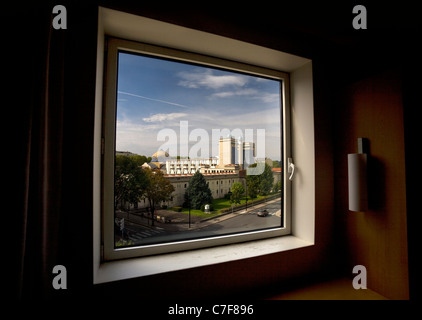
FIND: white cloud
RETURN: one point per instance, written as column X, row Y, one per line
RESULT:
column 268, row 97
column 207, row 79
column 159, row 117
column 143, row 138
column 243, row 92
column 135, row 138
column 250, row 93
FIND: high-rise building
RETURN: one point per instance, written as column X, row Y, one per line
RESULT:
column 248, row 152
column 227, row 154
column 234, row 151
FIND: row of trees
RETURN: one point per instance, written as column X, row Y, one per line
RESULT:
column 132, row 184
column 255, row 185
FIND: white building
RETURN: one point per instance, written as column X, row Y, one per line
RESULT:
column 233, row 155
column 220, row 172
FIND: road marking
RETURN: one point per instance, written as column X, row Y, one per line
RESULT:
column 137, row 235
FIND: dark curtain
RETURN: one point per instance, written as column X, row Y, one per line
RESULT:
column 55, row 74
column 43, row 164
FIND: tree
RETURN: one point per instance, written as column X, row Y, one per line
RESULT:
column 198, row 192
column 276, row 164
column 237, row 192
column 140, row 160
column 252, row 185
column 266, row 180
column 277, row 186
column 159, row 189
column 130, row 181
column 260, row 184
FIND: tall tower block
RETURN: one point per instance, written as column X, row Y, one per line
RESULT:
column 227, row 152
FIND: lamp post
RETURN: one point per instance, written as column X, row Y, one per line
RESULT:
column 189, row 207
column 246, row 183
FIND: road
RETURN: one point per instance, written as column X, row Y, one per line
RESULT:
column 247, row 221
column 233, row 223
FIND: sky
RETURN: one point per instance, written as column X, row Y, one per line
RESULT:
column 159, row 102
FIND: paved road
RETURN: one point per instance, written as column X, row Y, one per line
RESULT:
column 137, row 233
column 237, row 222
column 247, row 221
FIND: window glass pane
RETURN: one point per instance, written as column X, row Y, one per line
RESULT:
column 198, row 152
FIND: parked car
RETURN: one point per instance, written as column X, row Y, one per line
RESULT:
column 262, row 213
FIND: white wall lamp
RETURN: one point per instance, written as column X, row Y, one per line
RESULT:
column 357, row 174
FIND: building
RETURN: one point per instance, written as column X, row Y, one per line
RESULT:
column 233, row 155
column 236, row 151
column 248, row 154
column 188, row 166
column 220, row 172
column 227, row 150
column 219, row 183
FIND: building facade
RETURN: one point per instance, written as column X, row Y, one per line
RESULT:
column 220, row 172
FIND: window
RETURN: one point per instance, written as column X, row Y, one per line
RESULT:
column 137, row 28
column 164, row 103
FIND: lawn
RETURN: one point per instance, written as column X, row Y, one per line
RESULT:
column 225, row 203
column 218, row 205
column 200, row 213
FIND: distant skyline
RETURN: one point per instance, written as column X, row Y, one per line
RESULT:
column 154, row 94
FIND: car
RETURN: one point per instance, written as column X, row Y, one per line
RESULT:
column 262, row 213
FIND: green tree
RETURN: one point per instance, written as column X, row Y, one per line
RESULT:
column 159, row 189
column 266, row 180
column 259, row 183
column 140, row 160
column 237, row 192
column 277, row 186
column 252, row 185
column 130, row 181
column 198, row 192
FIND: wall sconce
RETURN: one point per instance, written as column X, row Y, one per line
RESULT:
column 357, row 173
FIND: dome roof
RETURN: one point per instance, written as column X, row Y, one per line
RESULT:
column 159, row 156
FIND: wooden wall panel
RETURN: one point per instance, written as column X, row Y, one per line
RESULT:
column 373, row 108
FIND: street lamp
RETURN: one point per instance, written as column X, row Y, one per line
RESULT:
column 246, row 183
column 189, row 206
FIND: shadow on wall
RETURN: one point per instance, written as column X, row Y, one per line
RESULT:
column 376, row 184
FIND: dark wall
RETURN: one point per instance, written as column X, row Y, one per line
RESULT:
column 57, row 70
column 373, row 108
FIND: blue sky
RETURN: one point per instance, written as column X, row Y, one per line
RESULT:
column 155, row 94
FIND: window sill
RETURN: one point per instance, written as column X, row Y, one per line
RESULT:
column 146, row 266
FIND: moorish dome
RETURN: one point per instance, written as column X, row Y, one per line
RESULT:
column 160, row 155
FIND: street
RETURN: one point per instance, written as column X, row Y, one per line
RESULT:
column 247, row 221
column 240, row 221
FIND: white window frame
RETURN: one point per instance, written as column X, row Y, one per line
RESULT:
column 136, row 28
column 113, row 47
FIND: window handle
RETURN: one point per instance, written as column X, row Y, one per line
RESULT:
column 290, row 168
